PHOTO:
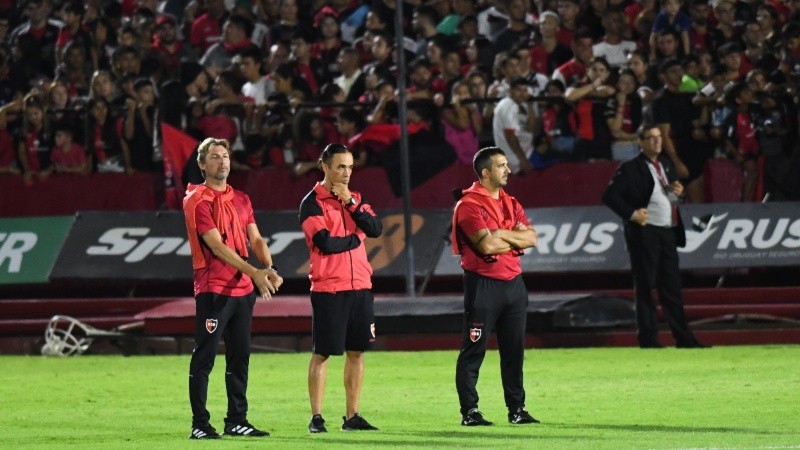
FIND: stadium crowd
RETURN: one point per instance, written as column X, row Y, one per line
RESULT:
column 85, row 86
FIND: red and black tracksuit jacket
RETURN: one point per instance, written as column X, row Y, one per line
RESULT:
column 335, row 237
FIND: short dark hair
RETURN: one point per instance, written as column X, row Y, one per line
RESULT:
column 483, row 159
column 330, row 150
column 644, row 128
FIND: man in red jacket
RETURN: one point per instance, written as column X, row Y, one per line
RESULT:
column 491, row 232
column 220, row 224
column 336, row 221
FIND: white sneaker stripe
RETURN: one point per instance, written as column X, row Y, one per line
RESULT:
column 247, row 431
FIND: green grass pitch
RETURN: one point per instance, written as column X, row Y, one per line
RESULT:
column 744, row 397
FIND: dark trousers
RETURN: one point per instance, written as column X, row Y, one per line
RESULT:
column 229, row 318
column 502, row 306
column 654, row 261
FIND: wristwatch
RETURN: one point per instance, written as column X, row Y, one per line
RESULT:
column 352, row 202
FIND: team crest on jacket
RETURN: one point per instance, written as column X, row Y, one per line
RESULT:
column 211, row 325
column 474, row 334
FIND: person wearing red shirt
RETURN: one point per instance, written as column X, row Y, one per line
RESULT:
column 491, row 232
column 220, row 223
column 336, row 221
column 207, row 29
column 68, row 156
column 740, row 140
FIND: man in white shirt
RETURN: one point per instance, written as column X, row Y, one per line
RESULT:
column 513, row 124
column 352, row 81
column 613, row 47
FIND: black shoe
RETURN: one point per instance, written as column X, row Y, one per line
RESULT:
column 317, row 424
column 356, row 423
column 520, row 416
column 204, row 432
column 474, row 418
column 244, row 429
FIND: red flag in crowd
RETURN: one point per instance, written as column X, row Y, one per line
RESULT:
column 177, row 147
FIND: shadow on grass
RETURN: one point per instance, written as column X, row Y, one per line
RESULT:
column 660, row 428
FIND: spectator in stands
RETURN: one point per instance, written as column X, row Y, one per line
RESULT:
column 614, row 48
column 769, row 20
column 336, row 222
column 255, row 90
column 60, row 108
column 167, row 46
column 104, row 144
column 518, row 30
column 591, row 18
column 68, row 156
column 536, row 81
column 305, row 66
column 703, row 36
column 478, row 91
column 676, row 118
column 235, row 39
column 8, row 159
column 691, row 81
column 424, row 26
column 754, row 49
column 547, row 53
column 207, row 28
column 75, row 70
column 645, row 193
column 126, row 61
column 223, row 287
column 462, row 122
column 420, row 79
column 34, row 141
column 127, row 36
column 672, row 17
column 646, row 79
column 351, row 16
column 513, row 126
column 568, row 11
column 667, row 47
column 725, row 11
column 624, row 116
column 352, row 80
column 480, row 55
column 289, row 23
column 100, row 44
column 741, row 141
column 490, row 231
column 349, row 123
column 34, row 41
column 574, row 70
column 325, row 49
column 556, row 142
column 589, row 97
column 506, row 68
column 140, row 126
column 381, row 66
column 74, row 30
column 309, row 139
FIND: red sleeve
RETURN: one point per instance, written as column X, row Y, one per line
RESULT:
column 197, row 39
column 203, row 219
column 470, row 218
column 519, row 215
column 248, row 206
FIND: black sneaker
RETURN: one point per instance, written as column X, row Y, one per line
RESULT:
column 204, row 432
column 356, row 423
column 317, row 424
column 474, row 418
column 520, row 416
column 244, row 429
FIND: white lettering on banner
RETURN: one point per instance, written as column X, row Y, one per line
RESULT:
column 117, row 241
column 283, row 239
column 743, row 234
column 154, row 246
column 600, row 238
column 794, row 230
column 14, row 246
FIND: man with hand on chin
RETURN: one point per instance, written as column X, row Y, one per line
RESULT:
column 645, row 193
column 220, row 223
column 336, row 221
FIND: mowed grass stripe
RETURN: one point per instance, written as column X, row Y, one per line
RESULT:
column 615, row 398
